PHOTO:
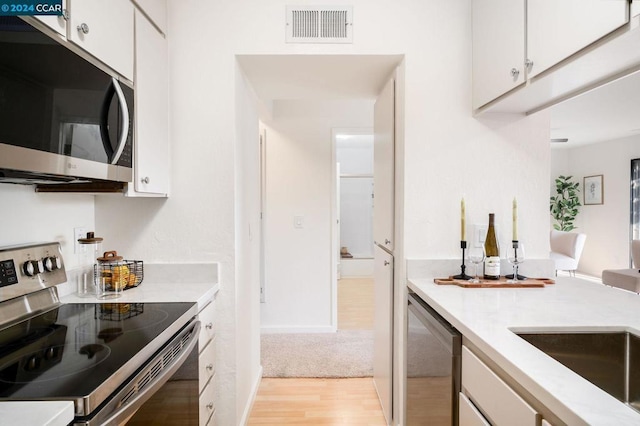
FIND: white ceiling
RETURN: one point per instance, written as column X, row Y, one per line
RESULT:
column 318, row 77
column 606, row 113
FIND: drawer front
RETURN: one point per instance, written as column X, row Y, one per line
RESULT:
column 469, row 414
column 495, row 399
column 207, row 403
column 207, row 326
column 207, row 364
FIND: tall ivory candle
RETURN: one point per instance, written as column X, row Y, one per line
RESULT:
column 463, row 234
column 515, row 219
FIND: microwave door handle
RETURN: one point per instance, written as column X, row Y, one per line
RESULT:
column 104, row 121
column 124, row 118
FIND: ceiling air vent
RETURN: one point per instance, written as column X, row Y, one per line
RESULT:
column 319, row 24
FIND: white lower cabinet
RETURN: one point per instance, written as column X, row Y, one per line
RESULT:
column 493, row 399
column 207, row 365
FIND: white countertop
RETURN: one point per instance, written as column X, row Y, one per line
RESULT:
column 486, row 317
column 36, row 413
column 149, row 292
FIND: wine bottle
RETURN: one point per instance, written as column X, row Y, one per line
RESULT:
column 492, row 252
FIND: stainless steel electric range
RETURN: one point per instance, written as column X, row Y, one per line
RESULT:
column 108, row 358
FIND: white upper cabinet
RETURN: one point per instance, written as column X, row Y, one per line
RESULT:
column 383, row 166
column 151, row 156
column 498, row 48
column 57, row 23
column 156, row 10
column 558, row 29
column 104, row 28
column 515, row 41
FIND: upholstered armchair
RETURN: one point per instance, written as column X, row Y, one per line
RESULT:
column 566, row 249
column 628, row 279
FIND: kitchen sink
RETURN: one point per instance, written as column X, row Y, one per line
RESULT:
column 609, row 360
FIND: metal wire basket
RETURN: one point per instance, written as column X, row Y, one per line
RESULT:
column 120, row 275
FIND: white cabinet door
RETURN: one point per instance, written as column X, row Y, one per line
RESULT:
column 151, row 170
column 156, row 10
column 498, row 48
column 57, row 23
column 104, row 28
column 383, row 166
column 383, row 329
column 558, row 29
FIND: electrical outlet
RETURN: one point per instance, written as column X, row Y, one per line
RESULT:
column 79, row 232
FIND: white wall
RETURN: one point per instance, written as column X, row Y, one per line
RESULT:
column 606, row 225
column 299, row 183
column 29, row 217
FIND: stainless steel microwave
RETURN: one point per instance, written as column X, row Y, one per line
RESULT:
column 62, row 118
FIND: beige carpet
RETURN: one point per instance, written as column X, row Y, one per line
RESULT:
column 346, row 353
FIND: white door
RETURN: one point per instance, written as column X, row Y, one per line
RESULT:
column 383, row 225
column 383, row 330
column 336, row 244
column 383, row 166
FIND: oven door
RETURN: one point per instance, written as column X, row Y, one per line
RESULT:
column 148, row 380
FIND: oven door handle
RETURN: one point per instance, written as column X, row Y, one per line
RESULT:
column 123, row 412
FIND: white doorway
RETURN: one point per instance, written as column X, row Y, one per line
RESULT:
column 303, row 98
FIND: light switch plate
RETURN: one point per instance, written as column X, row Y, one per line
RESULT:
column 479, row 235
column 78, row 232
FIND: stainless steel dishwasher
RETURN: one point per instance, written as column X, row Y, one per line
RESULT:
column 433, row 366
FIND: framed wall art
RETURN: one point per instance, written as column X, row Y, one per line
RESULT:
column 593, row 190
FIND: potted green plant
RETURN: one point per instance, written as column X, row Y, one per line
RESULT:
column 565, row 205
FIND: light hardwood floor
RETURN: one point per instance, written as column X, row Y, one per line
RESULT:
column 355, row 304
column 326, row 401
column 317, row 402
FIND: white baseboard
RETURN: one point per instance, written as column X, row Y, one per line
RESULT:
column 295, row 329
column 254, row 393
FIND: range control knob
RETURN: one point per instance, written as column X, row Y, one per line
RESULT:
column 52, row 263
column 32, row 267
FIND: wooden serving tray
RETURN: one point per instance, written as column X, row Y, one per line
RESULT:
column 501, row 283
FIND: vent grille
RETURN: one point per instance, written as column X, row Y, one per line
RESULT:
column 319, row 24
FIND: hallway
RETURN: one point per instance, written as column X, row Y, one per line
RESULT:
column 298, row 401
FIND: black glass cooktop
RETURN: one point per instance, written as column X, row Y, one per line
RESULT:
column 73, row 350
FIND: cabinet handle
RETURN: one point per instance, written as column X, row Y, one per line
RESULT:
column 209, row 326
column 386, row 262
column 65, row 14
column 209, row 367
column 145, row 180
column 210, row 406
column 83, row 28
column 515, row 73
column 387, row 242
column 528, row 64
